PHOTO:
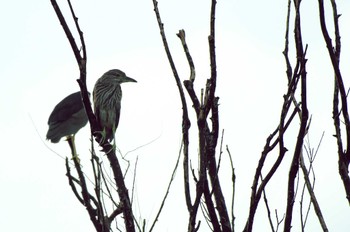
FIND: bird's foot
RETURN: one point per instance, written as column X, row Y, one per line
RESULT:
column 102, row 135
column 76, row 158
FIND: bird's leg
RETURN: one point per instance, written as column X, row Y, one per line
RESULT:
column 113, row 137
column 71, row 142
column 114, row 145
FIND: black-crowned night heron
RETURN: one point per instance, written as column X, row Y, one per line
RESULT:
column 107, row 96
column 67, row 118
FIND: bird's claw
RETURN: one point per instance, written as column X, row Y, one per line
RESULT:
column 76, row 158
column 103, row 135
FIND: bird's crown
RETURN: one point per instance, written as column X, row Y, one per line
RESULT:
column 116, row 76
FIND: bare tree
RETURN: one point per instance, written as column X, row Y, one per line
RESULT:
column 297, row 82
column 204, row 196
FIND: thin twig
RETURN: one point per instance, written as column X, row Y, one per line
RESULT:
column 134, row 181
column 233, row 179
column 268, row 209
column 312, row 194
column 167, row 190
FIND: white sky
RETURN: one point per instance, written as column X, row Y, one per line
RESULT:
column 39, row 69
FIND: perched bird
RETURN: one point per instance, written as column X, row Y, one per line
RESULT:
column 107, row 95
column 67, row 118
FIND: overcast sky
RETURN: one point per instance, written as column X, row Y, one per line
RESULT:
column 38, row 69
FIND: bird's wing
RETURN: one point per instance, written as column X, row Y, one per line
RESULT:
column 117, row 114
column 66, row 108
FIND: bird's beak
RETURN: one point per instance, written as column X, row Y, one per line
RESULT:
column 129, row 79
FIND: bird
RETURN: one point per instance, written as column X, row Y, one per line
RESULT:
column 107, row 96
column 67, row 118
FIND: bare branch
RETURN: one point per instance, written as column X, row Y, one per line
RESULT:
column 233, row 189
column 185, row 119
column 67, row 31
column 85, row 193
column 286, row 45
column 210, row 97
column 71, row 180
column 343, row 155
column 257, row 191
column 268, row 209
column 167, row 191
column 304, row 119
column 182, row 36
column 311, row 191
column 95, row 128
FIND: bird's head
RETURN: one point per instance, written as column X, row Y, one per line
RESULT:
column 115, row 76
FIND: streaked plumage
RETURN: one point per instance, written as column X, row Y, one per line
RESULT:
column 107, row 96
column 67, row 118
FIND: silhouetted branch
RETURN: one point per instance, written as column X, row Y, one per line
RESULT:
column 286, row 44
column 233, row 179
column 257, row 191
column 213, row 172
column 293, row 80
column 134, row 181
column 211, row 39
column 71, row 180
column 304, row 118
column 122, row 190
column 311, row 190
column 334, row 54
column 215, row 213
column 268, row 209
column 114, row 214
column 278, row 221
column 185, row 127
column 95, row 128
column 67, row 31
column 98, row 184
column 189, row 87
column 167, row 191
column 84, row 191
column 185, row 119
column 182, row 36
column 210, row 208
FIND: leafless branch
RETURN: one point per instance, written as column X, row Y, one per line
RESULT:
column 278, row 221
column 95, row 128
column 71, row 180
column 310, row 188
column 215, row 212
column 268, row 210
column 299, row 73
column 286, row 45
column 167, row 191
column 185, row 119
column 134, row 181
column 84, row 190
column 304, row 119
column 339, row 88
column 269, row 146
column 233, row 189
